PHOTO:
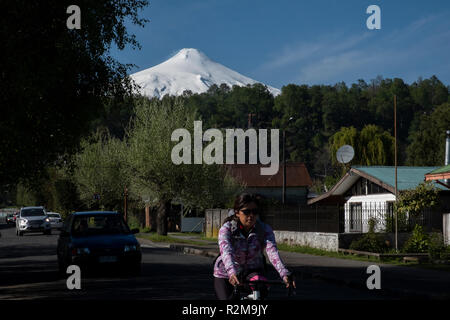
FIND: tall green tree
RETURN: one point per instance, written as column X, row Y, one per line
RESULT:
column 372, row 145
column 298, row 113
column 53, row 79
column 100, row 173
column 427, row 141
column 155, row 177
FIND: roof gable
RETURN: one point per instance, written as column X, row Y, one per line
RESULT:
column 384, row 176
column 407, row 177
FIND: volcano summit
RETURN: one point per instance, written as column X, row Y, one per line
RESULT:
column 191, row 70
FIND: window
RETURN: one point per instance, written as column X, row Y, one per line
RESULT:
column 86, row 225
column 32, row 213
column 355, row 217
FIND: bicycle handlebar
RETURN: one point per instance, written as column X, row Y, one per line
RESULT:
column 244, row 282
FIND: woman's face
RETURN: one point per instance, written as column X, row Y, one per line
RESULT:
column 247, row 215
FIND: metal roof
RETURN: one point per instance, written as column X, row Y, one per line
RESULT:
column 444, row 169
column 407, row 177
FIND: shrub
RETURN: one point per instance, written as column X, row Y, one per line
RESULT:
column 370, row 241
column 146, row 230
column 418, row 242
column 133, row 222
column 402, row 223
column 437, row 249
column 445, row 253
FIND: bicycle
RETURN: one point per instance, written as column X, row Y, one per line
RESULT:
column 256, row 287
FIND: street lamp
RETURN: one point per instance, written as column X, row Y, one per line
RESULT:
column 284, row 161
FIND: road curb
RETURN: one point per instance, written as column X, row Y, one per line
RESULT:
column 401, row 293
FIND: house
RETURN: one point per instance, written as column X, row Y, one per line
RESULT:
column 440, row 175
column 271, row 186
column 369, row 192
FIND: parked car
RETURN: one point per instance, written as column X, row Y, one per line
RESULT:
column 55, row 220
column 11, row 218
column 98, row 238
column 32, row 219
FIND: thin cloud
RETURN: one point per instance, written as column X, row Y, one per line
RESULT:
column 335, row 58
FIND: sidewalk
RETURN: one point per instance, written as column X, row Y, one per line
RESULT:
column 404, row 282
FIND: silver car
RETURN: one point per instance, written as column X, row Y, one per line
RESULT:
column 55, row 220
column 33, row 219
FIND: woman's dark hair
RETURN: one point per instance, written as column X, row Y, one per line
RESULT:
column 240, row 202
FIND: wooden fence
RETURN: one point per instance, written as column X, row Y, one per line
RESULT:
column 213, row 221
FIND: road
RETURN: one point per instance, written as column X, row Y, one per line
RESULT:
column 28, row 270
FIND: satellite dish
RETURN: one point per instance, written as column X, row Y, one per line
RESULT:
column 345, row 154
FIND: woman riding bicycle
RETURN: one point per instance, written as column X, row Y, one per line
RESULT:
column 242, row 240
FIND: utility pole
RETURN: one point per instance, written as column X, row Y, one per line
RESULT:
column 284, row 160
column 125, row 194
column 396, row 191
column 284, row 167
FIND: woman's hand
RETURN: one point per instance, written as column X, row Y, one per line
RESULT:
column 233, row 280
column 287, row 282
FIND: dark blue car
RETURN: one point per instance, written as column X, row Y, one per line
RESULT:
column 98, row 238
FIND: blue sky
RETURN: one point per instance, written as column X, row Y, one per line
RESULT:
column 301, row 42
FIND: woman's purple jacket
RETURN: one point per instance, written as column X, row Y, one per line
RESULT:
column 238, row 253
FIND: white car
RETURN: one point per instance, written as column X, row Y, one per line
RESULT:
column 55, row 220
column 32, row 219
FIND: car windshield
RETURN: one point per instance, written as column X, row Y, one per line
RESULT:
column 89, row 225
column 53, row 215
column 32, row 212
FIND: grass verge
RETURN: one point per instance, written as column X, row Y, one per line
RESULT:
column 153, row 236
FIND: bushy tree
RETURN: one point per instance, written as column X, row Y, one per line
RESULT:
column 152, row 173
column 53, row 80
column 99, row 171
column 414, row 201
column 427, row 141
column 372, row 145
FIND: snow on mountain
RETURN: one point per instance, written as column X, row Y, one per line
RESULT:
column 191, row 70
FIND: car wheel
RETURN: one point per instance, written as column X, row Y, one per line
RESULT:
column 20, row 233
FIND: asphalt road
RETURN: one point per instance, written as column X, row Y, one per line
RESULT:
column 28, row 270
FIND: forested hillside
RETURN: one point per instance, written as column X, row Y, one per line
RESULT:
column 320, row 113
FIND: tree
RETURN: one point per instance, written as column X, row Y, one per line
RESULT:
column 53, row 80
column 303, row 130
column 99, row 171
column 155, row 177
column 414, row 201
column 372, row 145
column 427, row 141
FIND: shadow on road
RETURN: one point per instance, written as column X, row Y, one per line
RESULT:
column 7, row 226
column 26, row 250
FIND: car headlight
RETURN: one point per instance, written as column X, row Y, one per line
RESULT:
column 23, row 221
column 130, row 248
column 47, row 219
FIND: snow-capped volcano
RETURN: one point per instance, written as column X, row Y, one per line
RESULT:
column 191, row 70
